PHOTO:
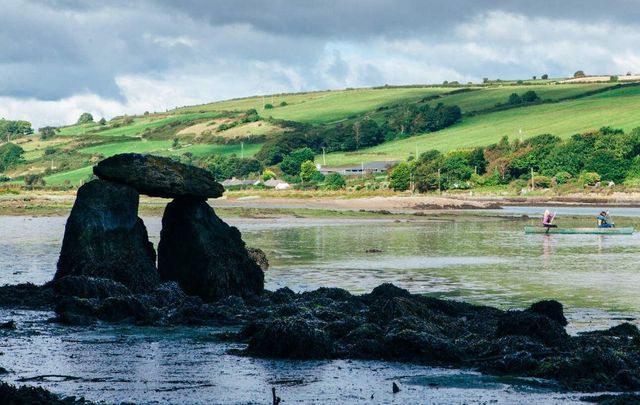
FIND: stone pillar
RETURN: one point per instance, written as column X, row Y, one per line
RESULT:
column 105, row 238
column 203, row 254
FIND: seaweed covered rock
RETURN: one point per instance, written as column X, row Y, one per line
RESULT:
column 259, row 257
column 295, row 338
column 89, row 287
column 158, row 176
column 105, row 238
column 203, row 254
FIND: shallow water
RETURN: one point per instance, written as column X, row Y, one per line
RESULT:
column 489, row 261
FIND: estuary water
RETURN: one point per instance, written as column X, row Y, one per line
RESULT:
column 486, row 260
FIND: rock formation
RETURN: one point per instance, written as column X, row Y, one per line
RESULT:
column 157, row 176
column 105, row 238
column 203, row 254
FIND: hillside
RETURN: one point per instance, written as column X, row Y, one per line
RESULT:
column 241, row 127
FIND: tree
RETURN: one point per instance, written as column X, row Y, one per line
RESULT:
column 85, row 118
column 335, row 181
column 530, row 96
column 308, row 170
column 11, row 129
column 534, row 77
column 283, row 104
column 291, row 163
column 514, row 99
column 400, row 177
column 47, row 132
column 104, row 122
column 579, row 73
column 478, row 161
column 34, row 180
column 10, row 155
column 544, row 76
column 176, row 144
column 268, row 175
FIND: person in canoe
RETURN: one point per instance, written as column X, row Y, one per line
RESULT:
column 547, row 219
column 604, row 221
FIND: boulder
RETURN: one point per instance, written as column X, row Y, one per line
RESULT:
column 158, row 176
column 89, row 287
column 105, row 238
column 259, row 257
column 203, row 254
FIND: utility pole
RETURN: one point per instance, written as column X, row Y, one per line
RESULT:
column 324, row 158
column 439, row 188
column 533, row 184
column 241, row 150
column 263, row 102
column 416, row 151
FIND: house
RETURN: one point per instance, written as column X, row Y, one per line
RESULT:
column 277, row 184
column 236, row 182
column 371, row 167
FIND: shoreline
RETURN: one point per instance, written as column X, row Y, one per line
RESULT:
column 47, row 203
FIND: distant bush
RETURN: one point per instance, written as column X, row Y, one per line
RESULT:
column 579, row 73
column 613, row 78
column 283, row 104
column 50, row 151
column 589, row 178
column 542, row 181
column 85, row 118
column 563, row 177
column 268, row 175
column 400, row 177
column 268, row 106
column 34, row 180
column 335, row 181
column 544, row 76
column 127, row 120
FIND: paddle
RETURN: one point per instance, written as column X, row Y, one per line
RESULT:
column 553, row 216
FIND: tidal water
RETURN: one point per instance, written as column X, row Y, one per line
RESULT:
column 484, row 260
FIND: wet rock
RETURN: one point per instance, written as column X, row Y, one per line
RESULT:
column 551, row 309
column 76, row 311
column 9, row 325
column 394, row 388
column 89, row 287
column 28, row 296
column 527, row 323
column 386, row 291
column 105, row 238
column 126, row 309
column 259, row 257
column 159, row 176
column 204, row 255
column 293, row 338
column 26, row 395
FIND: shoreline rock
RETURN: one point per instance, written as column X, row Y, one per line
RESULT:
column 157, row 176
column 104, row 237
column 387, row 324
column 205, row 255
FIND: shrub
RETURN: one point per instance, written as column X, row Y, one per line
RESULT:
column 542, row 181
column 335, row 181
column 544, row 76
column 268, row 175
column 34, row 180
column 563, row 177
column 268, row 106
column 283, row 104
column 579, row 73
column 589, row 178
column 308, row 170
column 400, row 177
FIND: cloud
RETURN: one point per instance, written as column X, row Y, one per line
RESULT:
column 62, row 57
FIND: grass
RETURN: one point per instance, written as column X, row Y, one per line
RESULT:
column 163, row 148
column 323, row 107
column 489, row 97
column 75, row 177
column 139, row 125
column 563, row 119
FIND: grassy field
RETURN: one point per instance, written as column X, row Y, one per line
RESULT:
column 489, row 97
column 139, row 125
column 617, row 108
column 164, row 148
column 75, row 177
column 324, row 107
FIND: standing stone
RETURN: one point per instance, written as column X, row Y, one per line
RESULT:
column 105, row 238
column 203, row 254
column 158, row 176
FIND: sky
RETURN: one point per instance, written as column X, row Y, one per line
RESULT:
column 60, row 58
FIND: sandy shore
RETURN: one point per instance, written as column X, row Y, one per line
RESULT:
column 43, row 202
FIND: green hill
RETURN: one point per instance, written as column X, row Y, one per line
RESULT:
column 241, row 127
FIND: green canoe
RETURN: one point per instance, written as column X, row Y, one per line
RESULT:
column 595, row 231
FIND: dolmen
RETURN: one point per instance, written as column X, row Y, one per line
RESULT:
column 105, row 238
